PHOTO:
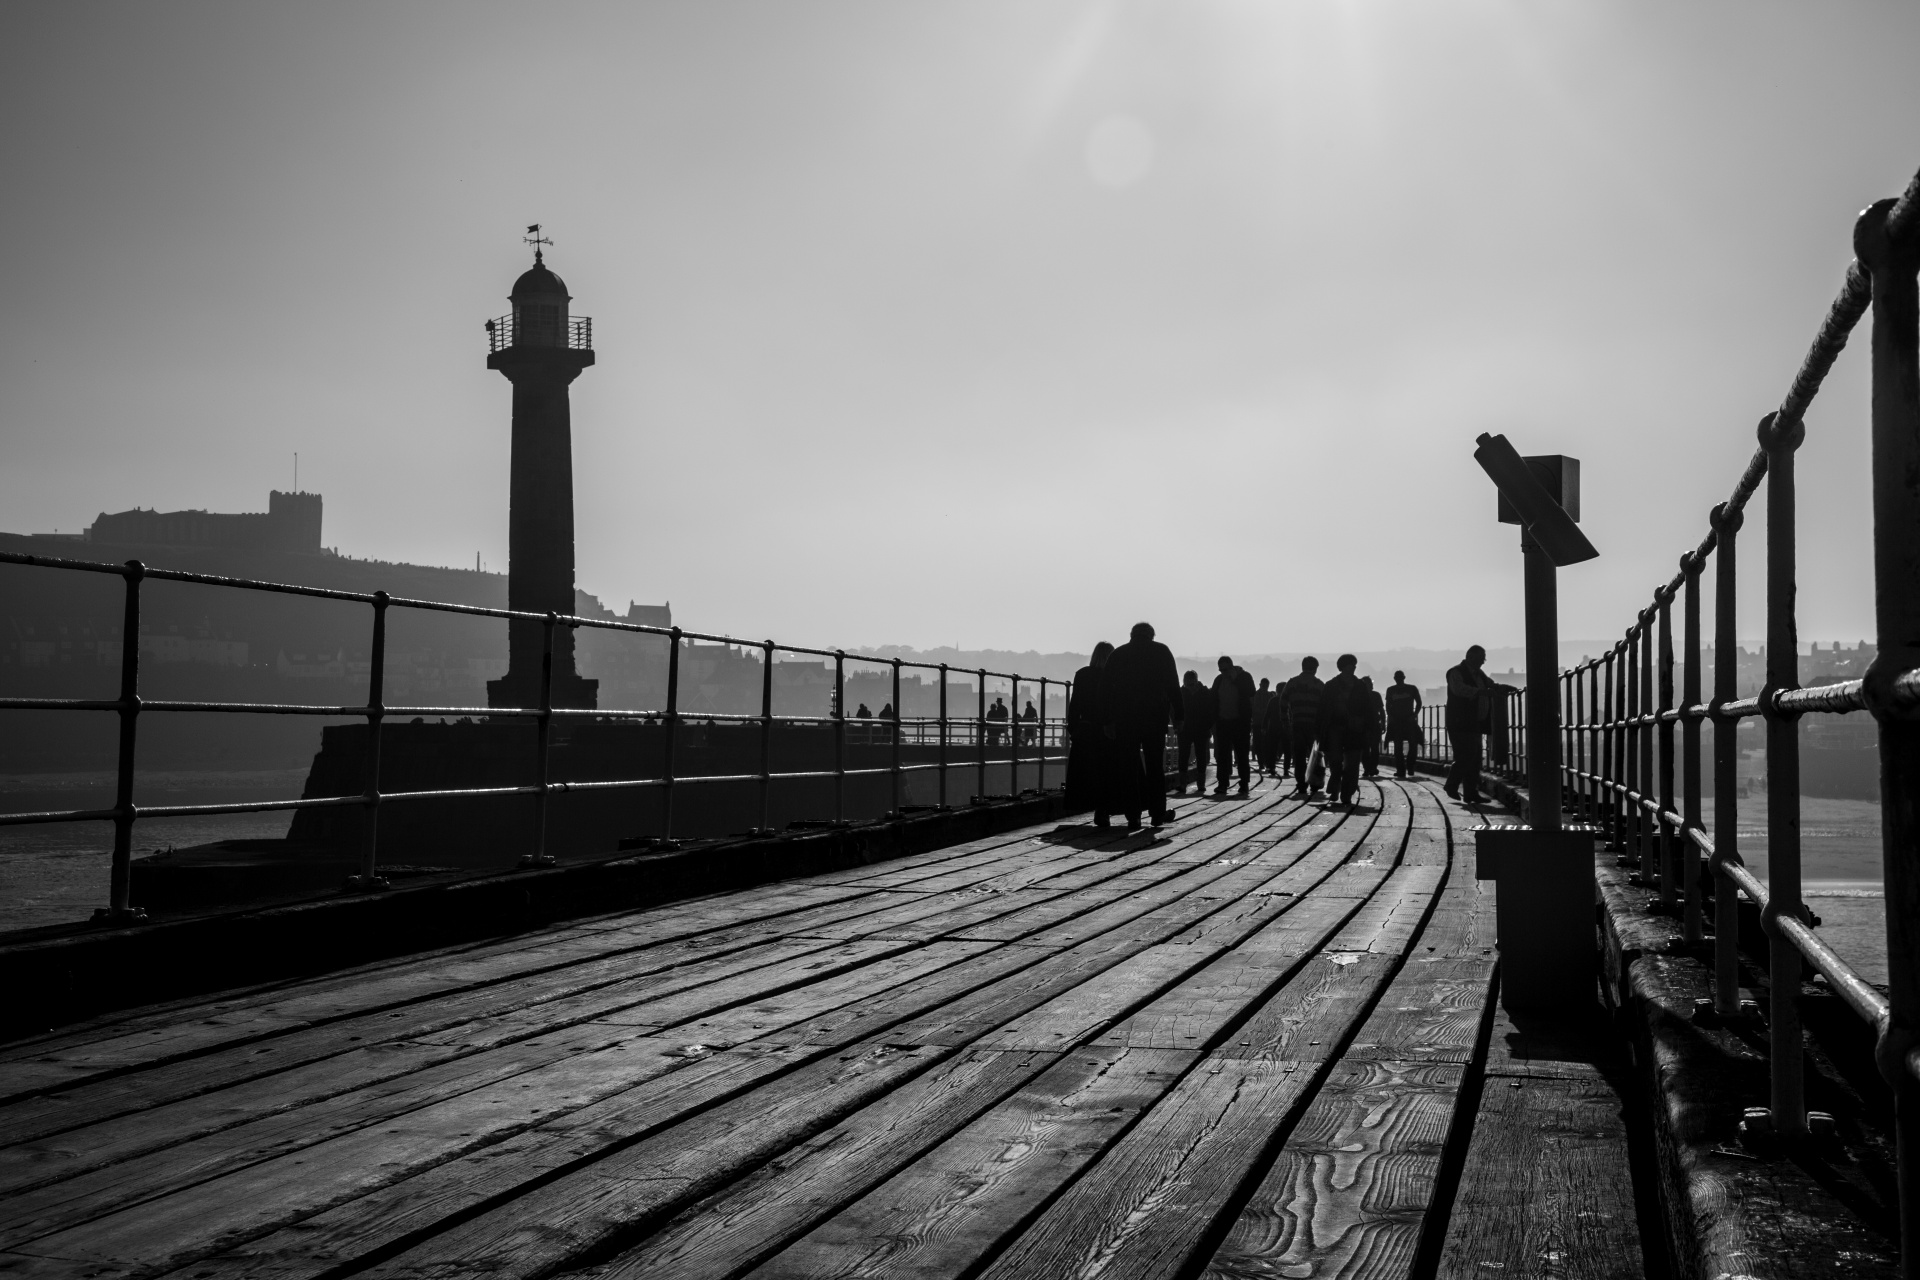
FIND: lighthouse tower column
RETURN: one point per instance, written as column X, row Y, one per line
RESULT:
column 541, row 349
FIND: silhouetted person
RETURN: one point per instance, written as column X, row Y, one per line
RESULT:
column 1469, row 707
column 1403, row 723
column 1144, row 692
column 996, row 720
column 863, row 713
column 1343, row 716
column 1030, row 722
column 1233, row 707
column 1196, row 729
column 1273, row 731
column 1301, row 698
column 1376, row 725
column 1262, row 741
column 886, row 730
column 1092, row 755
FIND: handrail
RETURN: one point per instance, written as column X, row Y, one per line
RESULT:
column 1616, row 734
column 984, row 731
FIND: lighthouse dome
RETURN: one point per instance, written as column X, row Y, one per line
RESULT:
column 539, row 308
column 539, row 284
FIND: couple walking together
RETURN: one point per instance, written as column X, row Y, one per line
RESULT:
column 1123, row 701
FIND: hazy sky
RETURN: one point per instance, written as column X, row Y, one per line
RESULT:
column 997, row 322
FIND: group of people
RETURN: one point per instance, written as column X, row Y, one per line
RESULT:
column 1325, row 734
column 998, row 719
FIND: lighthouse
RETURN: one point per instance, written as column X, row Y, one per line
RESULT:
column 541, row 348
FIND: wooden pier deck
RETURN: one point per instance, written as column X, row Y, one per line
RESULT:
column 1255, row 1043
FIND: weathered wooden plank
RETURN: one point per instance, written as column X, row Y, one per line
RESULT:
column 1390, row 919
column 908, row 870
column 1546, row 1189
column 1082, row 1012
column 673, row 995
column 1434, row 1010
column 472, row 1019
column 856, row 995
column 1194, row 1013
column 941, row 1215
column 1143, row 1209
column 1311, row 1017
column 645, row 1183
column 1463, row 919
column 424, row 1201
column 334, row 1000
column 179, row 1156
column 1348, row 1195
column 139, row 1210
column 776, row 1202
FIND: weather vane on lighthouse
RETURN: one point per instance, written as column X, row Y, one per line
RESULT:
column 534, row 238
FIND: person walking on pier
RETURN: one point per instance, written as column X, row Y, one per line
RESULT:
column 1262, row 741
column 1029, row 724
column 1273, row 731
column 1376, row 725
column 1144, row 694
column 1403, row 723
column 1343, row 717
column 1233, row 703
column 1300, row 697
column 996, row 721
column 1091, row 751
column 1470, row 693
column 1196, row 731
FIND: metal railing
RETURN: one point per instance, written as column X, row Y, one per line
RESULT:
column 1621, row 713
column 976, row 741
column 575, row 334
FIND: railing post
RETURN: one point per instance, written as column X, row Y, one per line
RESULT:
column 1669, row 845
column 119, row 908
column 1013, row 740
column 1570, row 741
column 1040, row 780
column 1896, row 535
column 1690, row 748
column 540, row 856
column 1609, row 752
column 1596, row 763
column 839, row 735
column 894, row 729
column 1783, row 781
column 369, row 877
column 980, row 739
column 671, row 724
column 1645, row 783
column 1726, row 763
column 766, row 737
column 1630, row 744
column 944, row 804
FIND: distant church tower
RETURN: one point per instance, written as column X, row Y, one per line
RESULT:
column 541, row 350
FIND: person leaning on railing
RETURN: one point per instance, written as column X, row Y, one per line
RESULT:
column 1470, row 695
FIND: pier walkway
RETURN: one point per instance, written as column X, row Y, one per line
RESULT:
column 1260, row 1042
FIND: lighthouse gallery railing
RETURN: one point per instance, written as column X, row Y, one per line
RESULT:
column 978, row 732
